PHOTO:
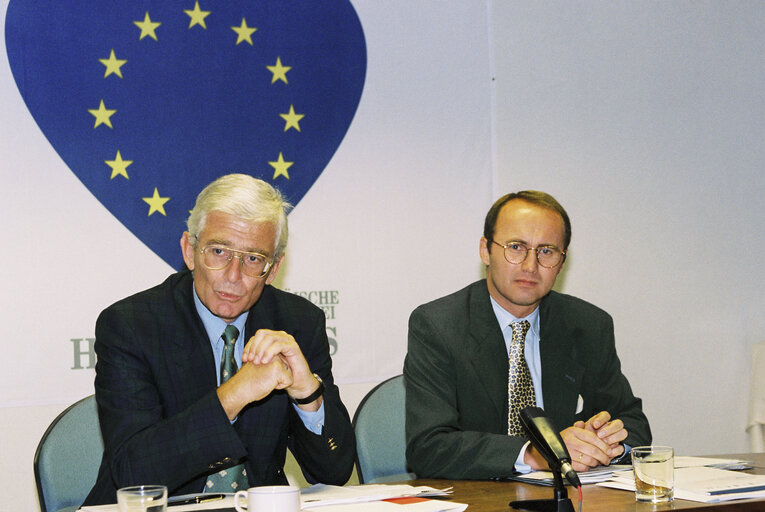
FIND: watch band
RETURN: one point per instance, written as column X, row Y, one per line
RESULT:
column 313, row 396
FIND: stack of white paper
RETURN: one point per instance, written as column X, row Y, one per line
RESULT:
column 594, row 475
column 703, row 484
column 320, row 495
column 369, row 498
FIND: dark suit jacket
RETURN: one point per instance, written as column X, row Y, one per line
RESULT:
column 456, row 381
column 160, row 416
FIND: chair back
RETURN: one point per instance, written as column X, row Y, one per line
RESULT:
column 380, row 438
column 68, row 456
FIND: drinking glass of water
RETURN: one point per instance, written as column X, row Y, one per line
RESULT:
column 654, row 468
column 142, row 498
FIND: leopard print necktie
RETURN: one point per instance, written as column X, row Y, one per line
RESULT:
column 520, row 388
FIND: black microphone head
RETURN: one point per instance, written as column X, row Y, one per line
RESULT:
column 546, row 439
column 542, row 435
column 529, row 413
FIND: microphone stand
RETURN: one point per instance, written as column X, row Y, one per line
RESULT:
column 560, row 503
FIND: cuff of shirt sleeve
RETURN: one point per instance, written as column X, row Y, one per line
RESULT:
column 520, row 465
column 624, row 457
column 313, row 421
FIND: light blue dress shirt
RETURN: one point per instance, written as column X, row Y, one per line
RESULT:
column 214, row 326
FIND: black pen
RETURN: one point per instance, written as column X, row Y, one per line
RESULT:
column 202, row 498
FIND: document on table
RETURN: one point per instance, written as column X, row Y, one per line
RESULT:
column 321, row 495
column 605, row 473
column 683, row 461
column 594, row 475
column 396, row 504
column 226, row 503
column 703, row 484
column 331, row 498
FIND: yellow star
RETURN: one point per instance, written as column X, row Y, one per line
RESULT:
column 119, row 166
column 113, row 65
column 102, row 115
column 244, row 32
column 147, row 27
column 156, row 203
column 279, row 71
column 197, row 16
column 280, row 167
column 292, row 119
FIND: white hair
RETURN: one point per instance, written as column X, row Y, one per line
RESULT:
column 247, row 198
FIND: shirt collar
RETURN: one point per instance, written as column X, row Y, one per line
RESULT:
column 505, row 318
column 214, row 326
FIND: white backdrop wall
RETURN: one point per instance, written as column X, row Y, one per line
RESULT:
column 644, row 119
column 647, row 121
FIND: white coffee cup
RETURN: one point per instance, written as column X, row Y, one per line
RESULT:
column 269, row 498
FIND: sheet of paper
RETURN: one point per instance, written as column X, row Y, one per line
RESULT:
column 422, row 505
column 684, row 461
column 703, row 484
column 227, row 502
column 594, row 475
column 321, row 495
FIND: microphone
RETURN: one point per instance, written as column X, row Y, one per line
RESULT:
column 546, row 439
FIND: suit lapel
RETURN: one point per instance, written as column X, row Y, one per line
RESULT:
column 187, row 345
column 268, row 417
column 561, row 374
column 487, row 353
column 261, row 314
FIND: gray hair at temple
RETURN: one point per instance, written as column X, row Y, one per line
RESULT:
column 247, row 198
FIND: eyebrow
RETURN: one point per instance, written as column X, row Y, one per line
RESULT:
column 516, row 241
column 227, row 244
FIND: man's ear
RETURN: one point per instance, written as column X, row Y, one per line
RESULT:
column 274, row 269
column 187, row 248
column 560, row 265
column 483, row 249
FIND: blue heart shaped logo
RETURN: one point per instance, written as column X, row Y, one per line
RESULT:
column 147, row 102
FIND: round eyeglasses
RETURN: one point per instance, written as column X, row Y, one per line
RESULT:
column 516, row 253
column 217, row 257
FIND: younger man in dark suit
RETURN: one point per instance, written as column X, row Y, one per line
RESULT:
column 480, row 355
column 173, row 408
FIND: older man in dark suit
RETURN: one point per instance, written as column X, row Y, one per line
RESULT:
column 480, row 355
column 203, row 381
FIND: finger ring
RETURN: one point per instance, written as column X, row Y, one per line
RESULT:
column 580, row 456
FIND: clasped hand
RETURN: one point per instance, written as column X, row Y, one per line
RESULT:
column 270, row 360
column 594, row 442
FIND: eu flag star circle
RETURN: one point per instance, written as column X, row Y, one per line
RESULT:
column 147, row 102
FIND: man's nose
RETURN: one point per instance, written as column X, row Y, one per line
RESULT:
column 530, row 263
column 234, row 269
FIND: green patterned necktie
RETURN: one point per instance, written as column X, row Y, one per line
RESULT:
column 520, row 387
column 234, row 478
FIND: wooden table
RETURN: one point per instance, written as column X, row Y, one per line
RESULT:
column 489, row 496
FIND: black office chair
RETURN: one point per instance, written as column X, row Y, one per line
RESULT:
column 68, row 456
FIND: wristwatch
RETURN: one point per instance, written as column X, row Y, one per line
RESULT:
column 313, row 396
